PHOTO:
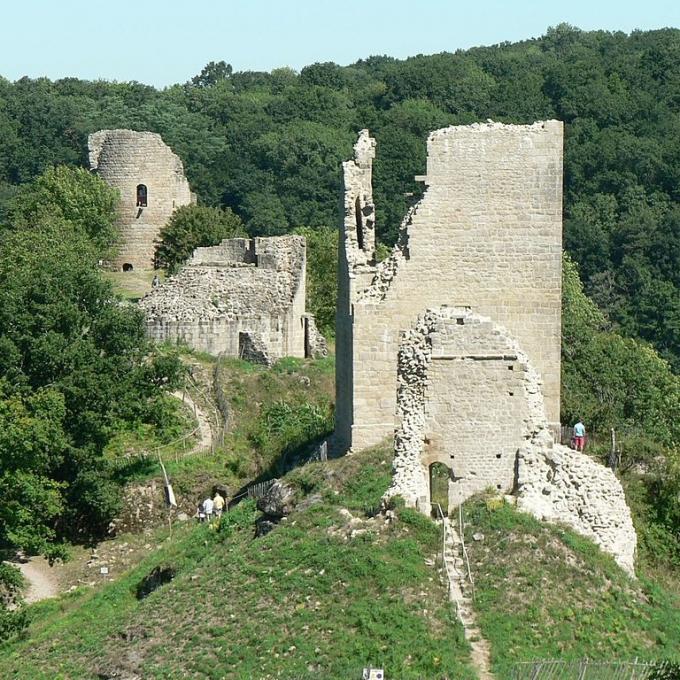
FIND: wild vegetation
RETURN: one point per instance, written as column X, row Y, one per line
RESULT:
column 269, row 145
column 75, row 365
column 568, row 600
column 305, row 599
column 79, row 383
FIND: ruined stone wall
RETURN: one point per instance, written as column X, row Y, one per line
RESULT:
column 237, row 295
column 486, row 236
column 124, row 159
column 469, row 397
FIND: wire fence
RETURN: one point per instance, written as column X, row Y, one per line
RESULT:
column 586, row 669
column 180, row 448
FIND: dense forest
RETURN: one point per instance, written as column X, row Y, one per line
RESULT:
column 269, row 147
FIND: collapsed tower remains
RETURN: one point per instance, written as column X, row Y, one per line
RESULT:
column 486, row 237
column 242, row 298
column 452, row 343
column 151, row 182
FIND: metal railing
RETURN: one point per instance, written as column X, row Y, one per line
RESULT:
column 445, row 564
column 586, row 669
column 461, row 529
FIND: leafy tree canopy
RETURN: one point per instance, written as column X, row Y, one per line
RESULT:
column 191, row 227
column 81, row 199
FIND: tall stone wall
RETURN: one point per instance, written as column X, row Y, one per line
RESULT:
column 240, row 294
column 485, row 237
column 469, row 397
column 125, row 159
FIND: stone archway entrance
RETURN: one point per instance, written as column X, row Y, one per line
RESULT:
column 441, row 477
column 468, row 398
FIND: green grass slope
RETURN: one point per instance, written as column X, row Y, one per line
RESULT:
column 544, row 592
column 309, row 599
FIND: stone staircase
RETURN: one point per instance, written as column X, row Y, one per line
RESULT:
column 460, row 594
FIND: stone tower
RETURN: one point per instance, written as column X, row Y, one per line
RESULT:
column 151, row 182
column 486, row 238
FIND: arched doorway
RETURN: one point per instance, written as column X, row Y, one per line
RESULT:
column 440, row 477
column 127, row 267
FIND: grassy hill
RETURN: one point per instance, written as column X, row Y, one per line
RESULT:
column 310, row 597
column 544, row 592
column 326, row 593
column 336, row 586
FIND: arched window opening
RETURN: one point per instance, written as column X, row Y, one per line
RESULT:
column 440, row 476
column 127, row 267
column 142, row 196
column 360, row 223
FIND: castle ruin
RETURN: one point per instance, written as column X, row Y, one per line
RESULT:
column 452, row 344
column 486, row 237
column 242, row 298
column 151, row 182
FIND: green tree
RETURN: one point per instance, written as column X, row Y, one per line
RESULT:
column 322, row 280
column 611, row 381
column 191, row 227
column 74, row 195
column 75, row 367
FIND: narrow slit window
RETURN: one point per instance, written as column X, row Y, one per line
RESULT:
column 142, row 196
column 360, row 223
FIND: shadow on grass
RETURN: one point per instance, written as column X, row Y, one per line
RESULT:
column 290, row 458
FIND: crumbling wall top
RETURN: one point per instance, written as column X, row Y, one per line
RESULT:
column 129, row 147
column 364, row 149
column 221, row 281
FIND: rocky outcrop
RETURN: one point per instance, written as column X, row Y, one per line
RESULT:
column 278, row 501
column 557, row 484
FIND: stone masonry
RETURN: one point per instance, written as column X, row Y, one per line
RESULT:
column 242, row 298
column 485, row 237
column 135, row 162
column 469, row 397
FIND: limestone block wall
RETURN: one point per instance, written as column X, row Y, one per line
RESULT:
column 242, row 291
column 469, row 397
column 126, row 159
column 486, row 236
column 556, row 484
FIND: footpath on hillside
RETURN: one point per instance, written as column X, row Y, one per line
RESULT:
column 454, row 569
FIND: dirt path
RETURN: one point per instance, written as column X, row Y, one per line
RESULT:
column 42, row 580
column 205, row 434
column 455, row 573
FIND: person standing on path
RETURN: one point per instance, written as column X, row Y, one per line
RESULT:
column 208, row 507
column 579, row 436
column 218, row 504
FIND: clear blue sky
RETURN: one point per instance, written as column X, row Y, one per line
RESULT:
column 161, row 42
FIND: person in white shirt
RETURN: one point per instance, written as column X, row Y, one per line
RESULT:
column 208, row 507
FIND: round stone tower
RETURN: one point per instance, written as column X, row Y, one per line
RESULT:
column 151, row 182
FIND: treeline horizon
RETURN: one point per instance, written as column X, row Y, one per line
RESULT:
column 269, row 145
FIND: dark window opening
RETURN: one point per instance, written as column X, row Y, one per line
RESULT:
column 360, row 223
column 142, row 196
column 127, row 267
column 460, row 321
column 498, row 455
column 440, row 475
